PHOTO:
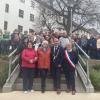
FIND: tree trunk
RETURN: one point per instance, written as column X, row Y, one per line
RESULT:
column 69, row 21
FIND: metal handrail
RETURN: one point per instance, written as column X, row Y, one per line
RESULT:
column 11, row 74
column 85, row 62
column 12, row 59
column 82, row 60
column 82, row 51
column 16, row 58
column 12, row 53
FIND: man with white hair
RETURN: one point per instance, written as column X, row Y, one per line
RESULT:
column 64, row 39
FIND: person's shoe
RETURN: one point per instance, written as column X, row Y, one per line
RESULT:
column 55, row 89
column 43, row 90
column 58, row 91
column 25, row 92
column 73, row 92
column 68, row 90
column 31, row 91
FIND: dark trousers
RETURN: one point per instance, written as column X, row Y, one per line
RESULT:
column 43, row 75
column 85, row 48
column 93, row 54
column 56, row 73
column 98, row 54
column 28, row 76
column 70, row 79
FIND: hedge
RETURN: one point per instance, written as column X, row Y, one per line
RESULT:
column 3, row 71
column 95, row 77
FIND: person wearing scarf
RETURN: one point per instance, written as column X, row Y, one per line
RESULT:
column 70, row 61
column 43, row 63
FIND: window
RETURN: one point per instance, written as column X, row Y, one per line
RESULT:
column 21, row 13
column 32, row 4
column 31, row 30
column 23, row 1
column 51, row 2
column 7, row 8
column 25, row 32
column 32, row 17
column 5, row 25
column 20, row 28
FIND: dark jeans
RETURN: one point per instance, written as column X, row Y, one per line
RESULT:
column 43, row 75
column 28, row 77
column 56, row 73
column 70, row 79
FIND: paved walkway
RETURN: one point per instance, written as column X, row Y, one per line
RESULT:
column 48, row 96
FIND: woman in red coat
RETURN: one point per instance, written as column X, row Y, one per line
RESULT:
column 43, row 63
column 29, row 57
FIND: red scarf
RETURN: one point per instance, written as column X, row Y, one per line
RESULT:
column 69, row 60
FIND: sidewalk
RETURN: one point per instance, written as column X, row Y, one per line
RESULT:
column 48, row 96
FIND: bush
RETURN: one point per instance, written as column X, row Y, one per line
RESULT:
column 95, row 78
column 4, row 57
column 97, row 67
column 3, row 71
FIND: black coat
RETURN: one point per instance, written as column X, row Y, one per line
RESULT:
column 59, row 56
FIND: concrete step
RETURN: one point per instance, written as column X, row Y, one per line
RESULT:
column 37, row 80
column 49, row 85
column 37, row 84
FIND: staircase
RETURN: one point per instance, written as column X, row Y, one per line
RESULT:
column 83, row 82
column 49, row 85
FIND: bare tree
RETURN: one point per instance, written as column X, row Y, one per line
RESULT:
column 32, row 4
column 47, row 19
column 83, row 12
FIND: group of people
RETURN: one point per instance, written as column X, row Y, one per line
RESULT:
column 90, row 45
column 49, row 54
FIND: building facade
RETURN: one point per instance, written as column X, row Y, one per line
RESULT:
column 18, row 14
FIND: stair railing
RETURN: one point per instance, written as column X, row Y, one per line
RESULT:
column 83, row 62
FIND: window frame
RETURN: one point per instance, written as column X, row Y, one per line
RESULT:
column 7, row 8
column 5, row 25
column 32, row 17
column 20, row 28
column 22, row 1
column 21, row 13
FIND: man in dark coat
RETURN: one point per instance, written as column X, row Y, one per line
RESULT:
column 92, row 48
column 21, row 46
column 15, row 40
column 56, row 61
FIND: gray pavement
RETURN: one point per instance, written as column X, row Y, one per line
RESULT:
column 19, row 95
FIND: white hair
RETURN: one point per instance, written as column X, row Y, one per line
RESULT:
column 45, row 42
